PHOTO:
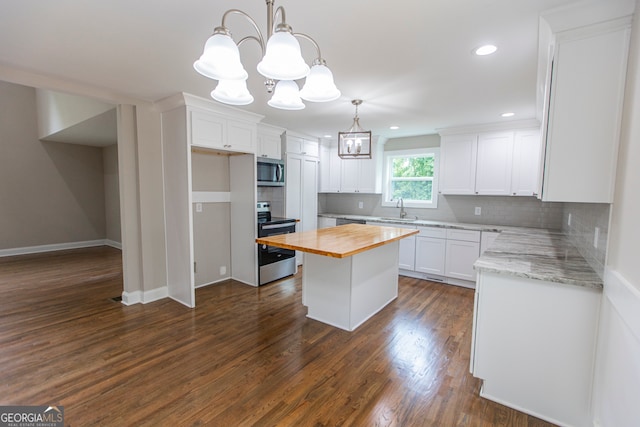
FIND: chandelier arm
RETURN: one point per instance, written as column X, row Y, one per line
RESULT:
column 260, row 42
column 260, row 38
column 319, row 59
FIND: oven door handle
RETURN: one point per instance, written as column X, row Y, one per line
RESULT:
column 274, row 226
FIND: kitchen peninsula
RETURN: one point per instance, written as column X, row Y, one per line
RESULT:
column 350, row 271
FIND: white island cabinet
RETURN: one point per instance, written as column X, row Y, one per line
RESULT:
column 350, row 272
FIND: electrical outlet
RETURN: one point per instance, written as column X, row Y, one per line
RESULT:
column 360, row 205
column 596, row 235
column 478, row 211
column 569, row 220
column 198, row 207
column 223, row 270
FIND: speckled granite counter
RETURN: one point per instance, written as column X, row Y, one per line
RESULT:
column 523, row 252
column 542, row 255
column 425, row 223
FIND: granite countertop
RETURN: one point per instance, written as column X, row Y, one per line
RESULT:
column 543, row 255
column 532, row 253
column 427, row 223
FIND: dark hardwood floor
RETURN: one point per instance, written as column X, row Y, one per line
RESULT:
column 245, row 356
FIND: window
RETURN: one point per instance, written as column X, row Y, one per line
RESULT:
column 412, row 175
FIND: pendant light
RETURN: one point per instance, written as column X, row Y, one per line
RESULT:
column 356, row 142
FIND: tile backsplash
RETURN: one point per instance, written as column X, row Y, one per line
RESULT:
column 585, row 217
column 495, row 210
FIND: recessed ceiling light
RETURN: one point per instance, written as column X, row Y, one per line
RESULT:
column 487, row 49
column 394, row 127
column 508, row 114
column 328, row 136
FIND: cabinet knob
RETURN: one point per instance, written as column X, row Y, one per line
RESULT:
column 514, row 194
column 476, row 192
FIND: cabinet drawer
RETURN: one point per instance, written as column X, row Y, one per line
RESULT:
column 437, row 232
column 465, row 235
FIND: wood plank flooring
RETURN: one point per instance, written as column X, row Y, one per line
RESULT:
column 245, row 356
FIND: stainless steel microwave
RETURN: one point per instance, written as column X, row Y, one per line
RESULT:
column 270, row 173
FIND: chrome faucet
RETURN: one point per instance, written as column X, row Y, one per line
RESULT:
column 400, row 204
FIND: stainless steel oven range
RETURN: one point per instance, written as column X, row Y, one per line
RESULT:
column 274, row 263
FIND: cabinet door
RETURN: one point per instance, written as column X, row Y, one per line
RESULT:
column 208, row 130
column 584, row 118
column 526, row 163
column 407, row 254
column 366, row 176
column 430, row 255
column 460, row 258
column 310, row 148
column 458, row 155
column 493, row 170
column 309, row 193
column 241, row 137
column 350, row 176
column 293, row 187
column 325, row 169
column 269, row 146
column 335, row 169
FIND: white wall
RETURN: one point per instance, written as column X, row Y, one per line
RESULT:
column 617, row 382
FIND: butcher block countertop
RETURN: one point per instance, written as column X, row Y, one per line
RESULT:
column 338, row 242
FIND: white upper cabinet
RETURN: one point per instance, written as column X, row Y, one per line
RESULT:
column 493, row 163
column 213, row 131
column 526, row 161
column 493, row 170
column 350, row 175
column 299, row 145
column 585, row 77
column 269, row 142
column 458, row 155
column 330, row 168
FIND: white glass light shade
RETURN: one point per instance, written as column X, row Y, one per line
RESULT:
column 220, row 59
column 319, row 85
column 282, row 60
column 286, row 96
column 233, row 92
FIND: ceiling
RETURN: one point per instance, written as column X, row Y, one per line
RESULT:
column 410, row 61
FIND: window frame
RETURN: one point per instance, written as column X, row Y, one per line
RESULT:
column 386, row 176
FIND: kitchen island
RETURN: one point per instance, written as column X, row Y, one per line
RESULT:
column 350, row 271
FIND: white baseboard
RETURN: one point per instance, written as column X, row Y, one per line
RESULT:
column 213, row 283
column 54, row 247
column 113, row 243
column 144, row 297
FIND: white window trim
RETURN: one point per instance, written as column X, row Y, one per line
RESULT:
column 386, row 177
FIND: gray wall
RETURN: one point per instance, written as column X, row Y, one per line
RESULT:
column 49, row 192
column 211, row 233
column 111, row 193
column 508, row 211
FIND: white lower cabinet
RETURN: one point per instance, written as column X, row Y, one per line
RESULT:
column 534, row 345
column 431, row 247
column 463, row 249
column 325, row 222
column 407, row 254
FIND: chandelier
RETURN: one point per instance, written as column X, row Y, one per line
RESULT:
column 281, row 65
column 356, row 142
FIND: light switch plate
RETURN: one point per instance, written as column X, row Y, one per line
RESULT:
column 478, row 210
column 198, row 207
